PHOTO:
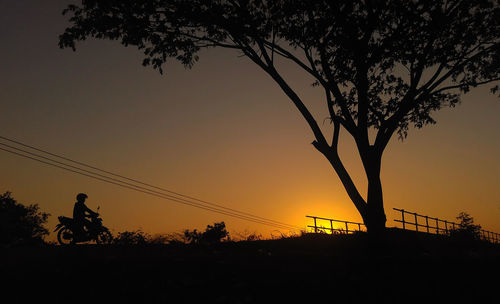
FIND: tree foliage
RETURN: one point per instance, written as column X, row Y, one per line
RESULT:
column 136, row 237
column 466, row 229
column 212, row 234
column 20, row 224
column 384, row 66
column 353, row 46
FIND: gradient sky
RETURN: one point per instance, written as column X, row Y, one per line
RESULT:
column 222, row 131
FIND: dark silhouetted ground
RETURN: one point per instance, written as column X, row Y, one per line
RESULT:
column 402, row 268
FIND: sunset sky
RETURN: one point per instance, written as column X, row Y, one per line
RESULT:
column 222, row 132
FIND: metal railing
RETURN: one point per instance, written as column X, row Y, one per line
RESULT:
column 347, row 224
column 419, row 223
column 435, row 225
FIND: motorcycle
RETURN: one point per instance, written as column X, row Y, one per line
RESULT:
column 68, row 232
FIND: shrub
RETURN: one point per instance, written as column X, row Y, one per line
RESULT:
column 247, row 236
column 137, row 237
column 160, row 239
column 192, row 237
column 19, row 224
column 466, row 230
column 213, row 234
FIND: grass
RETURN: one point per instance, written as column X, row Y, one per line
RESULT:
column 402, row 267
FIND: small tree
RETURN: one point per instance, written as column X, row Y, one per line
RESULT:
column 384, row 66
column 215, row 234
column 21, row 224
column 212, row 235
column 193, row 236
column 466, row 230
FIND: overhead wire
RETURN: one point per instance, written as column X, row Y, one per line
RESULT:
column 143, row 190
column 74, row 169
column 140, row 182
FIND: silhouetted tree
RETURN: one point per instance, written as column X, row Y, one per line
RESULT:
column 466, row 229
column 213, row 234
column 19, row 224
column 384, row 66
column 137, row 237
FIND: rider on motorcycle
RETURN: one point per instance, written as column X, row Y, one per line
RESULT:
column 80, row 211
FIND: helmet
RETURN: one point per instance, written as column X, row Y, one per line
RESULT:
column 81, row 196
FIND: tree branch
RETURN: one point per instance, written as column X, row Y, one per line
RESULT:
column 271, row 70
column 346, row 180
column 458, row 86
column 457, row 66
column 335, row 120
column 339, row 99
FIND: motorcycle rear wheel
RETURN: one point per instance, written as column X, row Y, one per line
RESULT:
column 65, row 236
column 104, row 237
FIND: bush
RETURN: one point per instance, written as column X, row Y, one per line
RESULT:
column 137, row 237
column 248, row 236
column 161, row 239
column 466, row 230
column 212, row 235
column 19, row 224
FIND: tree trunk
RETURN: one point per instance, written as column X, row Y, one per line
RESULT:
column 374, row 218
column 371, row 209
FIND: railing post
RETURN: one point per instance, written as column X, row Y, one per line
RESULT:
column 427, row 223
column 315, row 226
column 346, row 228
column 446, row 226
column 331, row 225
column 359, row 227
column 416, row 222
column 403, row 218
column 437, row 226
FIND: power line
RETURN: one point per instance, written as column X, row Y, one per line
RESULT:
column 140, row 182
column 97, row 176
column 155, row 194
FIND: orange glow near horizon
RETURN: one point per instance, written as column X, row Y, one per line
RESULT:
column 221, row 132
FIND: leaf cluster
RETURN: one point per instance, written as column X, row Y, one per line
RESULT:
column 20, row 224
column 383, row 64
column 135, row 237
column 212, row 234
column 466, row 229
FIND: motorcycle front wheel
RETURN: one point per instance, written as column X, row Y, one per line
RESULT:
column 104, row 237
column 65, row 236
